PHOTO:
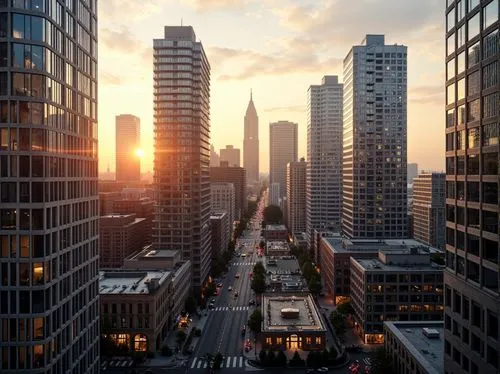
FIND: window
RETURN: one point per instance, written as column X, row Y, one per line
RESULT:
column 450, row 97
column 474, row 110
column 490, row 193
column 473, row 191
column 490, row 44
column 473, row 26
column 460, row 10
column 461, row 63
column 472, row 4
column 490, row 163
column 450, row 44
column 460, row 137
column 450, row 69
column 490, row 134
column 450, row 117
column 490, row 75
column 473, row 54
column 460, row 36
column 460, row 89
column 3, row 86
column 450, row 20
column 473, row 137
column 473, row 83
column 491, row 105
column 3, row 55
column 490, row 14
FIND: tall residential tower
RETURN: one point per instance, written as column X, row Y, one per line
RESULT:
column 282, row 150
column 251, row 143
column 374, row 137
column 296, row 196
column 49, row 205
column 128, row 140
column 324, row 156
column 471, row 278
column 182, row 148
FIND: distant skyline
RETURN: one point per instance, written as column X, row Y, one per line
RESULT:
column 297, row 42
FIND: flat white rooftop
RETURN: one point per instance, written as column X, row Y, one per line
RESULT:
column 308, row 318
column 338, row 244
column 130, row 281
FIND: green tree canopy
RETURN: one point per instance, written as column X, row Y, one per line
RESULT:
column 345, row 308
column 280, row 359
column 315, row 285
column 190, row 304
column 259, row 268
column 180, row 337
column 255, row 321
column 258, row 284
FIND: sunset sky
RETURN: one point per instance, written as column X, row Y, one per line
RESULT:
column 276, row 47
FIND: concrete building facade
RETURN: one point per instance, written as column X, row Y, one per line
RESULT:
column 49, row 207
column 375, row 144
column 397, row 286
column 296, row 196
column 428, row 216
column 223, row 199
column 182, row 149
column 119, row 236
column 472, row 276
column 127, row 144
column 282, row 150
column 324, row 157
column 274, row 194
column 415, row 347
column 230, row 155
column 236, row 176
column 221, row 232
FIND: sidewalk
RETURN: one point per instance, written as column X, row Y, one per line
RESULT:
column 178, row 358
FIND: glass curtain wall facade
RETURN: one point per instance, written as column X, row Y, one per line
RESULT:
column 182, row 148
column 49, row 311
column 472, row 294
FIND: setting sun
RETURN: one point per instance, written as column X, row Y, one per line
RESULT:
column 139, row 153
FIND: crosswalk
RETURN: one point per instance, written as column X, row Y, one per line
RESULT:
column 227, row 362
column 244, row 263
column 233, row 309
column 367, row 361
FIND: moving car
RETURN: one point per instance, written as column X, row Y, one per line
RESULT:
column 322, row 370
column 230, row 288
column 236, row 294
column 248, row 345
column 237, row 275
column 220, row 285
column 251, row 302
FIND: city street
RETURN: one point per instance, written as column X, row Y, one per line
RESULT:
column 223, row 329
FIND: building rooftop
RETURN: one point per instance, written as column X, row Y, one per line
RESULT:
column 290, row 313
column 342, row 244
column 131, row 281
column 429, row 352
column 276, row 227
column 374, row 265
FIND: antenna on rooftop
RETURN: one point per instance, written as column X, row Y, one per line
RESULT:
column 181, row 21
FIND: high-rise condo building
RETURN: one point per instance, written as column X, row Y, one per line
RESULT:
column 472, row 294
column 49, row 205
column 251, row 143
column 324, row 157
column 128, row 140
column 182, row 149
column 282, row 150
column 230, row 155
column 428, row 209
column 374, row 159
column 296, row 196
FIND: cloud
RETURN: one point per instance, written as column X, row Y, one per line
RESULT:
column 289, row 60
column 210, row 5
column 109, row 79
column 430, row 94
column 293, row 108
column 121, row 41
column 129, row 10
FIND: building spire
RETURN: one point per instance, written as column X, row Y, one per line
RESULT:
column 251, row 94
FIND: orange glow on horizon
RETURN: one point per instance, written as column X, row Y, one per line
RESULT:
column 139, row 153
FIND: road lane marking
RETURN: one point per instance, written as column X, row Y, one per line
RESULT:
column 199, row 364
column 234, row 361
column 193, row 363
column 241, row 362
column 227, row 361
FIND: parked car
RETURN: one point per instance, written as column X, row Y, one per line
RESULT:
column 236, row 294
column 230, row 288
column 251, row 302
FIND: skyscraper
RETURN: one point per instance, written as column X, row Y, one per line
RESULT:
column 428, row 209
column 412, row 171
column 230, row 155
column 374, row 159
column 223, row 198
column 296, row 196
column 471, row 278
column 324, row 157
column 182, row 149
column 251, row 143
column 49, row 203
column 128, row 140
column 282, row 150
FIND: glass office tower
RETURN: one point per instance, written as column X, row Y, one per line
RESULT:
column 472, row 306
column 49, row 314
